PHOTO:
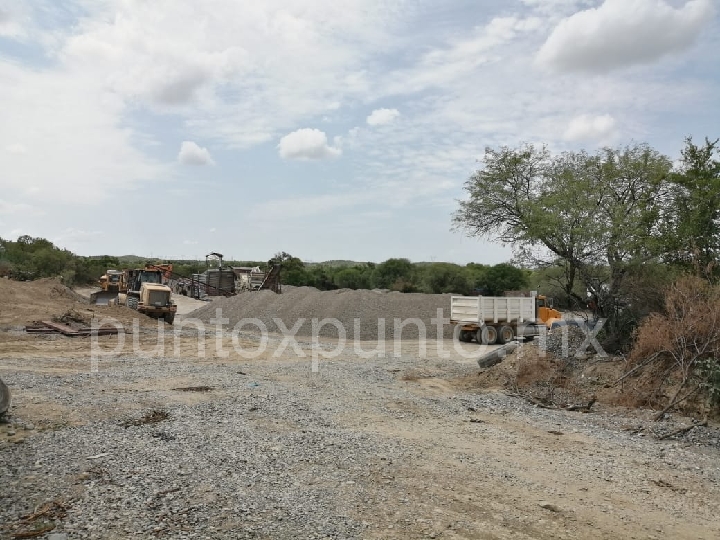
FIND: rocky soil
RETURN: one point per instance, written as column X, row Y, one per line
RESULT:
column 170, row 443
column 382, row 448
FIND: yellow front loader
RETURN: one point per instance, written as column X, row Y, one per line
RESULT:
column 111, row 283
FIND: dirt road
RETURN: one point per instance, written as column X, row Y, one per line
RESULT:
column 363, row 448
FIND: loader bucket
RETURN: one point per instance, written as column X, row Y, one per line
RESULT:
column 102, row 298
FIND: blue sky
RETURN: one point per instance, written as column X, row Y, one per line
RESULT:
column 330, row 129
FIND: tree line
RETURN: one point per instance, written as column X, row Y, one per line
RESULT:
column 399, row 274
column 30, row 258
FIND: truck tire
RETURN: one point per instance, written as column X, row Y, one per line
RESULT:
column 132, row 302
column 169, row 318
column 487, row 335
column 466, row 336
column 505, row 335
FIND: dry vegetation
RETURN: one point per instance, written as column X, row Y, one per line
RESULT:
column 675, row 360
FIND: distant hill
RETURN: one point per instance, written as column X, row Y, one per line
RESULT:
column 336, row 264
column 131, row 259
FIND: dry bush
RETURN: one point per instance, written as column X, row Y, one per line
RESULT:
column 549, row 381
column 676, row 353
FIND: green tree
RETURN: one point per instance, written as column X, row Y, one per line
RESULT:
column 320, row 277
column 446, row 278
column 352, row 278
column 693, row 234
column 600, row 214
column 50, row 262
column 293, row 269
column 505, row 277
column 394, row 273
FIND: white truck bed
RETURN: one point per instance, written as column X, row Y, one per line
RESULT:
column 491, row 309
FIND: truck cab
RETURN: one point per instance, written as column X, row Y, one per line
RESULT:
column 147, row 294
column 545, row 312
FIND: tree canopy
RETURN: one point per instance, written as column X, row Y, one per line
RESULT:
column 599, row 218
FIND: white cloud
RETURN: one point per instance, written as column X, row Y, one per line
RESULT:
column 190, row 242
column 109, row 85
column 380, row 117
column 307, row 144
column 16, row 148
column 73, row 124
column 221, row 67
column 461, row 58
column 587, row 127
column 622, row 33
column 10, row 26
column 8, row 208
column 192, row 154
column 213, row 229
column 300, row 207
column 74, row 235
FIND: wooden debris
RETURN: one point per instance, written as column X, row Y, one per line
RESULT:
column 50, row 327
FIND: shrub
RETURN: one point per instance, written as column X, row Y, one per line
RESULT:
column 678, row 350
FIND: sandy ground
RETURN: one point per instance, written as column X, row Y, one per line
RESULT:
column 491, row 473
column 477, row 465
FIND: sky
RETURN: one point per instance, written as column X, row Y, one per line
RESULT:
column 329, row 129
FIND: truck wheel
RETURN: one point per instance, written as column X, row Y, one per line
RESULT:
column 466, row 336
column 132, row 302
column 487, row 335
column 505, row 335
column 169, row 318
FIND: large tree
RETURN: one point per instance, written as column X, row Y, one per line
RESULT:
column 695, row 222
column 599, row 214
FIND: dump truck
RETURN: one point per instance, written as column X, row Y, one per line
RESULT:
column 500, row 319
column 147, row 294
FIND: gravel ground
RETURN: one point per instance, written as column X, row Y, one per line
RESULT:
column 386, row 448
column 345, row 305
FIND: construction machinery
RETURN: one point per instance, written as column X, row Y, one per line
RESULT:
column 166, row 269
column 111, row 283
column 500, row 319
column 221, row 280
column 147, row 294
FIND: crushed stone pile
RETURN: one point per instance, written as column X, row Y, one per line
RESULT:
column 565, row 342
column 345, row 305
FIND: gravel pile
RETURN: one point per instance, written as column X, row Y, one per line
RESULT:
column 565, row 342
column 345, row 305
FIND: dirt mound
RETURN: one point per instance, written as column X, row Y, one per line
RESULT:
column 22, row 302
column 368, row 307
column 25, row 301
column 550, row 379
